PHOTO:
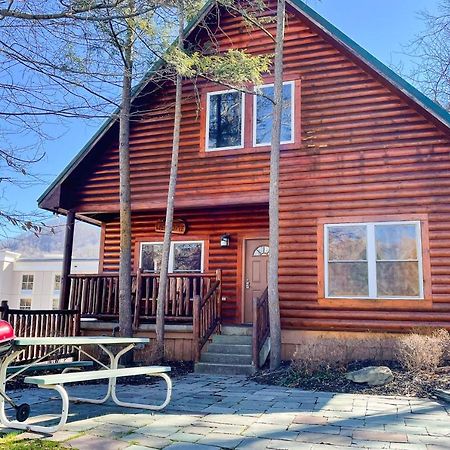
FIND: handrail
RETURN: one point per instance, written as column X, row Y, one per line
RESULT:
column 207, row 315
column 261, row 327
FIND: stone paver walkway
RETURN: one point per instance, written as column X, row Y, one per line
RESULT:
column 210, row 412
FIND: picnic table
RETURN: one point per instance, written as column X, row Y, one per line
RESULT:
column 114, row 347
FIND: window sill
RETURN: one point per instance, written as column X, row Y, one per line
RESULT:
column 362, row 303
column 246, row 150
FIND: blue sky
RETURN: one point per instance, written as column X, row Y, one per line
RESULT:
column 383, row 27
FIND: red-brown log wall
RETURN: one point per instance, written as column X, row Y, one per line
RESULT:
column 365, row 150
column 206, row 225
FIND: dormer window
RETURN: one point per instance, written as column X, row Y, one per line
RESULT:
column 241, row 121
column 225, row 120
column 263, row 113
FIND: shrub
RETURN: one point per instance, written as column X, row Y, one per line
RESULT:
column 422, row 351
column 322, row 353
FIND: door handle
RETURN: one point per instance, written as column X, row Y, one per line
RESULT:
column 247, row 284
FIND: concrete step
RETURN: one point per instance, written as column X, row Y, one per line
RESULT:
column 224, row 369
column 225, row 358
column 226, row 339
column 234, row 349
column 241, row 330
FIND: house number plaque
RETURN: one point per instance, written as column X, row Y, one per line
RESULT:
column 179, row 226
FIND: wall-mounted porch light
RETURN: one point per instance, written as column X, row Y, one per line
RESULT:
column 225, row 240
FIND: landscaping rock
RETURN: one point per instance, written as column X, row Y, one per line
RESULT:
column 373, row 376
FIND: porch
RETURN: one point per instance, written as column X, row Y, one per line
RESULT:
column 193, row 305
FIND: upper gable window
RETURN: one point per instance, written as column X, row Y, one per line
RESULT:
column 225, row 120
column 263, row 113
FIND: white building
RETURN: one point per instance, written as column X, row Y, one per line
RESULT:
column 34, row 283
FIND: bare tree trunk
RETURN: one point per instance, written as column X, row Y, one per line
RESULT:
column 125, row 312
column 163, row 280
column 274, row 301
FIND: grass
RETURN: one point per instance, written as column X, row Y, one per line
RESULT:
column 12, row 441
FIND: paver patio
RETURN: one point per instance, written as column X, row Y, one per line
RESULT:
column 210, row 412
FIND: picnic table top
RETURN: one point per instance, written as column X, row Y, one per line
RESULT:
column 78, row 340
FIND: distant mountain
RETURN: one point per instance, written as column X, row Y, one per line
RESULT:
column 86, row 241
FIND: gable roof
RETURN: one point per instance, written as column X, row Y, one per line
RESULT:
column 434, row 109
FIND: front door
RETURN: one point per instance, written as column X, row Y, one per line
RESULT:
column 255, row 273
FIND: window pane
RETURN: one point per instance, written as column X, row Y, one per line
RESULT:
column 25, row 303
column 348, row 279
column 27, row 282
column 395, row 279
column 151, row 257
column 347, row 243
column 262, row 250
column 57, row 282
column 187, row 257
column 225, row 115
column 264, row 112
column 396, row 241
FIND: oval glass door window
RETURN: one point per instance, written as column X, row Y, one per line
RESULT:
column 262, row 250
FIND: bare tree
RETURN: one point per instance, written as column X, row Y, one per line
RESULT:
column 233, row 69
column 273, row 293
column 431, row 53
column 159, row 353
column 85, row 52
column 125, row 313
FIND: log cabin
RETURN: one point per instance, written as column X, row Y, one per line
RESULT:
column 364, row 200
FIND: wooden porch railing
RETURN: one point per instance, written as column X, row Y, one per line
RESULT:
column 261, row 328
column 182, row 289
column 97, row 295
column 42, row 323
column 207, row 314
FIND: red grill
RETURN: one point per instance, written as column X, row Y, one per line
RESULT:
column 6, row 337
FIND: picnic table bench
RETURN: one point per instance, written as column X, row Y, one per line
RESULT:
column 49, row 366
column 57, row 381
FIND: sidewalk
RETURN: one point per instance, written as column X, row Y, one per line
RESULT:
column 210, row 412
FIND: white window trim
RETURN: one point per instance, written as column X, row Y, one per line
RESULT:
column 26, row 308
column 216, row 149
column 371, row 259
column 255, row 100
column 202, row 243
column 27, row 291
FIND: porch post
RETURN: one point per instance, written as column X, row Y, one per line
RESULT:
column 67, row 261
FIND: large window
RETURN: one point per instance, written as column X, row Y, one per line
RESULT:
column 263, row 113
column 225, row 120
column 373, row 260
column 186, row 256
column 27, row 282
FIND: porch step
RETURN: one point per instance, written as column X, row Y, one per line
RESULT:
column 229, row 353
column 235, row 349
column 241, row 330
column 224, row 369
column 231, row 339
column 225, row 358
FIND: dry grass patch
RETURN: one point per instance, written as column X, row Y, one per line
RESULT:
column 423, row 351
